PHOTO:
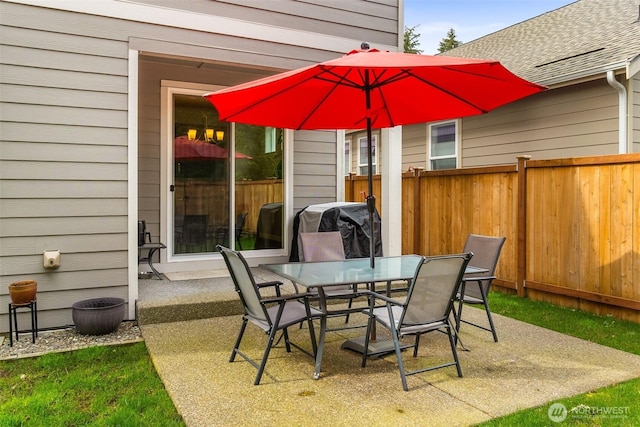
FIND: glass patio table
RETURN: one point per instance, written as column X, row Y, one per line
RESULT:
column 345, row 272
column 350, row 272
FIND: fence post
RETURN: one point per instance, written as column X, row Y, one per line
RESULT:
column 521, row 226
column 417, row 233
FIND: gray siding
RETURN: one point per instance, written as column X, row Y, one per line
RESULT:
column 64, row 126
column 63, row 158
column 414, row 146
column 314, row 168
column 579, row 120
column 365, row 20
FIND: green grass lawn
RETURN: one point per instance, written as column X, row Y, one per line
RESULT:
column 118, row 385
column 618, row 405
column 100, row 386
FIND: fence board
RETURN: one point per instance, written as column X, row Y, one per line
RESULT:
column 581, row 225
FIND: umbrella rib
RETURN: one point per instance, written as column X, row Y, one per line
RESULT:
column 340, row 79
column 260, row 101
column 318, row 104
column 441, row 89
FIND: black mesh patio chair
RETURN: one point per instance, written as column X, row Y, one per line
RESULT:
column 328, row 246
column 475, row 287
column 271, row 314
column 427, row 308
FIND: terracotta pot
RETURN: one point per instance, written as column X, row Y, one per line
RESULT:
column 98, row 316
column 23, row 292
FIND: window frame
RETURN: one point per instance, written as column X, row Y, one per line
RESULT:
column 374, row 160
column 456, row 144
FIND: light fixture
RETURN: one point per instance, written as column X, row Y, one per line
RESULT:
column 220, row 135
column 191, row 134
column 208, row 132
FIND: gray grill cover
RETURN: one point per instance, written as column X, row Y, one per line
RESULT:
column 351, row 219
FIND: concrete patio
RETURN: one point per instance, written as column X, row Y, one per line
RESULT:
column 190, row 326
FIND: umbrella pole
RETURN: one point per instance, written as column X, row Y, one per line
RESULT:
column 371, row 199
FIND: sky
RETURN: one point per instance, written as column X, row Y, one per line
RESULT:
column 470, row 19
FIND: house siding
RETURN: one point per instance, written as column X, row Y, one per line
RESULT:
column 365, row 20
column 63, row 158
column 64, row 127
column 578, row 120
column 414, row 146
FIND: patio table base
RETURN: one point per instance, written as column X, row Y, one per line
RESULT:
column 377, row 347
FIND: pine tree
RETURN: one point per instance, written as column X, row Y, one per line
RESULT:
column 448, row 42
column 411, row 40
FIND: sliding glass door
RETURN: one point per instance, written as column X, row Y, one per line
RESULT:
column 227, row 181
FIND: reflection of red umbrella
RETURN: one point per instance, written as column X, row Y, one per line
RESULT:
column 186, row 149
column 369, row 88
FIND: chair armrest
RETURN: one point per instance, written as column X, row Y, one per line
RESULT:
column 284, row 298
column 476, row 278
column 387, row 299
column 267, row 284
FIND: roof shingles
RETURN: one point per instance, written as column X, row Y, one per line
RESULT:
column 584, row 35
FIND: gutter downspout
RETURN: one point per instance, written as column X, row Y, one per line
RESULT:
column 622, row 111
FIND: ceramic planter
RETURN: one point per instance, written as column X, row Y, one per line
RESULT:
column 98, row 316
column 23, row 292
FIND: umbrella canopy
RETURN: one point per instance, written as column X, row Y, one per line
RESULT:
column 369, row 89
column 186, row 149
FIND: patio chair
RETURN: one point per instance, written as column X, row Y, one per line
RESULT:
column 427, row 308
column 271, row 314
column 221, row 234
column 475, row 287
column 328, row 246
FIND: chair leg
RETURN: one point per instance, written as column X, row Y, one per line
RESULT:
column 312, row 335
column 237, row 345
column 320, row 350
column 493, row 328
column 485, row 301
column 454, row 351
column 265, row 356
column 287, row 343
column 416, row 344
column 396, row 344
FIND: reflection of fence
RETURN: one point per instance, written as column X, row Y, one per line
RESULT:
column 212, row 198
column 252, row 195
column 572, row 225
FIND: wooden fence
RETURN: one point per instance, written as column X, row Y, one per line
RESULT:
column 572, row 225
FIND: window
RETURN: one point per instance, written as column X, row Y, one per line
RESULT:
column 270, row 140
column 443, row 146
column 362, row 158
column 347, row 156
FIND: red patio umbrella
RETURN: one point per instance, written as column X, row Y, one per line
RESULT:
column 370, row 89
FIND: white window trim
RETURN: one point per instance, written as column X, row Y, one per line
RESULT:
column 457, row 150
column 374, row 160
column 168, row 89
column 348, row 142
